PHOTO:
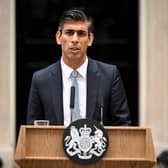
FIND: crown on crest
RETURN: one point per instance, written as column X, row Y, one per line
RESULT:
column 85, row 131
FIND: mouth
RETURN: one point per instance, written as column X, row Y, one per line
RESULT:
column 74, row 49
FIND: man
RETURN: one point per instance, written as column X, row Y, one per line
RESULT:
column 50, row 90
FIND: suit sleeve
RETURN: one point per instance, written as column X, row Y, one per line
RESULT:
column 34, row 109
column 119, row 104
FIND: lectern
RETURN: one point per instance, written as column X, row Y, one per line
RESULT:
column 41, row 147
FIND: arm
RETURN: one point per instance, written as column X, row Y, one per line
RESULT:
column 35, row 109
column 119, row 104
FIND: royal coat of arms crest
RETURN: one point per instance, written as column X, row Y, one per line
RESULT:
column 85, row 140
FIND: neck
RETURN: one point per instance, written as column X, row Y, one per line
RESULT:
column 75, row 63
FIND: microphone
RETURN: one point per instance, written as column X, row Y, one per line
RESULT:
column 101, row 105
column 72, row 97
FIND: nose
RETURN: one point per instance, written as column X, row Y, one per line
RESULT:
column 75, row 37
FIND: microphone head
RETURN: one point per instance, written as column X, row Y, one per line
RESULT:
column 72, row 97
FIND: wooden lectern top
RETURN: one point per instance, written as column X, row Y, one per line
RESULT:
column 41, row 147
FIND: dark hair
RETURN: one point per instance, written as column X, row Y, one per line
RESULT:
column 162, row 159
column 75, row 15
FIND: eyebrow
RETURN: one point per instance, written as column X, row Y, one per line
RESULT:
column 75, row 30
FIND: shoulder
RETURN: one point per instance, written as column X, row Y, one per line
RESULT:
column 46, row 72
column 104, row 68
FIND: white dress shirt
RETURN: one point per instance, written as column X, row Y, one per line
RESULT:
column 67, row 82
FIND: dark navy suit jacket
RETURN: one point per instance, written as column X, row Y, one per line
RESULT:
column 46, row 99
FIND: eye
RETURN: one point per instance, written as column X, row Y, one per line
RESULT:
column 69, row 32
column 82, row 33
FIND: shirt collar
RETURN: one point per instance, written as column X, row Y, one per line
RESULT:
column 66, row 70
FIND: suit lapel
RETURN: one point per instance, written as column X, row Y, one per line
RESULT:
column 57, row 92
column 93, row 79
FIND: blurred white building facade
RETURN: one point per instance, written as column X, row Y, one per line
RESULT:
column 7, row 82
column 153, row 78
column 153, row 63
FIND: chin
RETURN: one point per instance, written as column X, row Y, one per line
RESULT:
column 75, row 57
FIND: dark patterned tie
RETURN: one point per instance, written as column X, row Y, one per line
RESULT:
column 75, row 112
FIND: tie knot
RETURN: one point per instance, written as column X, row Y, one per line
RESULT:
column 74, row 74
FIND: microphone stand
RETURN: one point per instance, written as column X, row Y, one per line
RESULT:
column 101, row 105
column 101, row 115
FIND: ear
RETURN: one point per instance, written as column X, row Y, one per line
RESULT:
column 58, row 37
column 91, row 38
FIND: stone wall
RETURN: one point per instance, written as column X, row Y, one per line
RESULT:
column 153, row 65
column 7, row 82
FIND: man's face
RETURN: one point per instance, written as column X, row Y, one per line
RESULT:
column 74, row 40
